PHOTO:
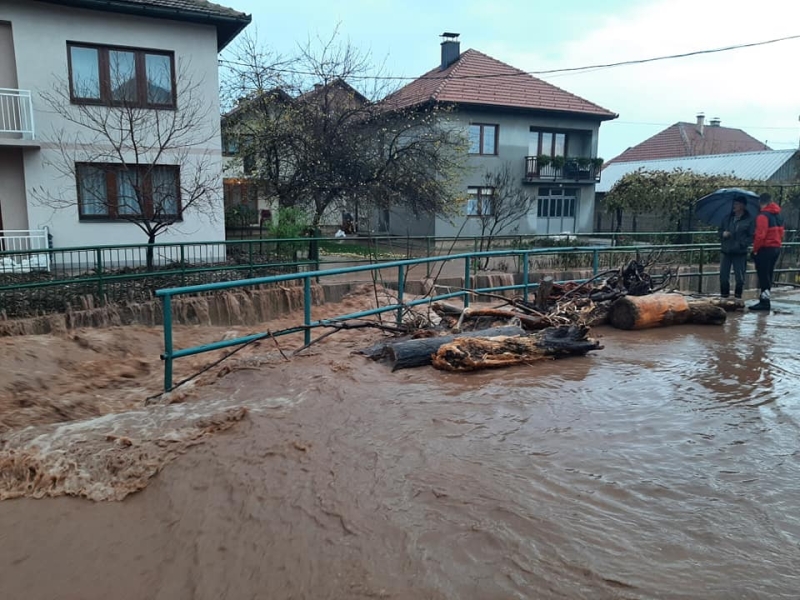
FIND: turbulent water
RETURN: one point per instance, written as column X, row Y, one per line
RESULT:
column 664, row 466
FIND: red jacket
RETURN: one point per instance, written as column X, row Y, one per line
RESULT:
column 769, row 228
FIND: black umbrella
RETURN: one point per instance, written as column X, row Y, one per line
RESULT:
column 714, row 208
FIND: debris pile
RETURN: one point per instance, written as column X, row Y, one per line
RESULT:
column 555, row 323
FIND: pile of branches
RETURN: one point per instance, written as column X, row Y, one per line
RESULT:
column 584, row 304
column 556, row 324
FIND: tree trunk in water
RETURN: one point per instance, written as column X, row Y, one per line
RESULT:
column 418, row 353
column 663, row 310
column 473, row 354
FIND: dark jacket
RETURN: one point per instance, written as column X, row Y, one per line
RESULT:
column 742, row 231
column 769, row 228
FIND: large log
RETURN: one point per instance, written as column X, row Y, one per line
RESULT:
column 663, row 310
column 472, row 354
column 418, row 353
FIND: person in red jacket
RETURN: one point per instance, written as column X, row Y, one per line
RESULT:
column 767, row 244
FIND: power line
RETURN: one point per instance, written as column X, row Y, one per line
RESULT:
column 587, row 68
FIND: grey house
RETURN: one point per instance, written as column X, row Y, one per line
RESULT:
column 548, row 138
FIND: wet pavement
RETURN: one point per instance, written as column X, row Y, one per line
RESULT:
column 665, row 466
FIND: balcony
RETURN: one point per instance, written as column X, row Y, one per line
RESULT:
column 574, row 169
column 16, row 115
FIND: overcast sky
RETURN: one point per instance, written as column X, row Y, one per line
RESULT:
column 756, row 89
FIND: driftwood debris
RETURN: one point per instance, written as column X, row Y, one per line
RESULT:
column 543, row 293
column 476, row 353
column 662, row 310
column 407, row 354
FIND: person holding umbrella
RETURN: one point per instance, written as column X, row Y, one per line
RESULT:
column 767, row 244
column 736, row 235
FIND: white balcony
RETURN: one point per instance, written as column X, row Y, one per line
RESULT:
column 16, row 114
column 23, row 251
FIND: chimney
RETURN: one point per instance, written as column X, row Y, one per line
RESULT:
column 715, row 122
column 451, row 49
column 701, row 119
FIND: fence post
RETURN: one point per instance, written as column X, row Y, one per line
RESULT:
column 595, row 261
column 700, row 270
column 467, row 283
column 427, row 255
column 183, row 265
column 98, row 265
column 250, row 257
column 307, row 309
column 401, row 284
column 167, row 356
column 525, row 273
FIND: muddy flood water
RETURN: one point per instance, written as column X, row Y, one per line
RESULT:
column 665, row 466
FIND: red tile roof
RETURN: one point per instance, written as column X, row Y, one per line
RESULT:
column 229, row 22
column 475, row 78
column 684, row 139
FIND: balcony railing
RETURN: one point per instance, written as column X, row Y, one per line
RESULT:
column 16, row 113
column 574, row 169
column 21, row 250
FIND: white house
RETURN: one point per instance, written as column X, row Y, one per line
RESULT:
column 158, row 60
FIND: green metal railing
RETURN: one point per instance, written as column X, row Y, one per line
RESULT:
column 96, row 275
column 596, row 257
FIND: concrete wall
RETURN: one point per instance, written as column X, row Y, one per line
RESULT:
column 41, row 32
column 513, row 146
column 12, row 190
column 8, row 66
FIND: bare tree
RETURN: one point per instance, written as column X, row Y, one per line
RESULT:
column 143, row 161
column 319, row 129
column 500, row 206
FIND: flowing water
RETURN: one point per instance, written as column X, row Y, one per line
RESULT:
column 664, row 466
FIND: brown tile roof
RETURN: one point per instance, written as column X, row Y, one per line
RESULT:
column 229, row 22
column 684, row 139
column 475, row 78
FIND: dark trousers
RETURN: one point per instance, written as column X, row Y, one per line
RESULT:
column 765, row 267
column 739, row 264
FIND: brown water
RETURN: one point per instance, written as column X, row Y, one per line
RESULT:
column 664, row 466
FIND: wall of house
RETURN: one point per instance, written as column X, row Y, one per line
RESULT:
column 8, row 68
column 513, row 146
column 12, row 190
column 41, row 32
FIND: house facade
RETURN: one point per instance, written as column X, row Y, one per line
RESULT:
column 129, row 64
column 546, row 137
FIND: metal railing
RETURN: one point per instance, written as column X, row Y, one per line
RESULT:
column 596, row 258
column 16, row 113
column 573, row 169
column 18, row 250
column 96, row 275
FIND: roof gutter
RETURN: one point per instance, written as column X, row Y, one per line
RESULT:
column 228, row 27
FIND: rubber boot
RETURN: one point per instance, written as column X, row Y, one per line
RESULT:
column 763, row 302
column 724, row 289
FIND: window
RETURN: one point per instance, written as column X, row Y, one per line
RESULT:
column 483, row 138
column 479, row 203
column 121, row 76
column 548, row 143
column 128, row 192
column 240, row 192
column 556, row 202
